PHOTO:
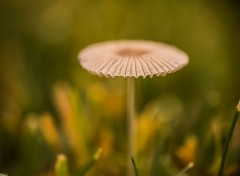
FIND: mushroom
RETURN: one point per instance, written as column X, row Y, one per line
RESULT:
column 131, row 59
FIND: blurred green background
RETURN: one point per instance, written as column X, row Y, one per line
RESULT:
column 50, row 105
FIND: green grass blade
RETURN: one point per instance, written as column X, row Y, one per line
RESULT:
column 135, row 167
column 82, row 171
column 229, row 137
column 61, row 167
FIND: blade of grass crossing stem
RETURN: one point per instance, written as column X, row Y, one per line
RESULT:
column 229, row 137
column 61, row 166
column 82, row 171
column 135, row 167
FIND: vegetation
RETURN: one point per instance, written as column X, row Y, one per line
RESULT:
column 57, row 119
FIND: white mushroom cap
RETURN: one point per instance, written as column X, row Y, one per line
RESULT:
column 132, row 58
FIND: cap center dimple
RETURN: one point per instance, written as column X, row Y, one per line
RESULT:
column 131, row 52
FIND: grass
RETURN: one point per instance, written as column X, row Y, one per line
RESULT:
column 165, row 142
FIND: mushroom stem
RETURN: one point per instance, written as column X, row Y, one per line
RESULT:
column 131, row 120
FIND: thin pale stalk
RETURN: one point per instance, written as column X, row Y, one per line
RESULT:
column 185, row 169
column 131, row 121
